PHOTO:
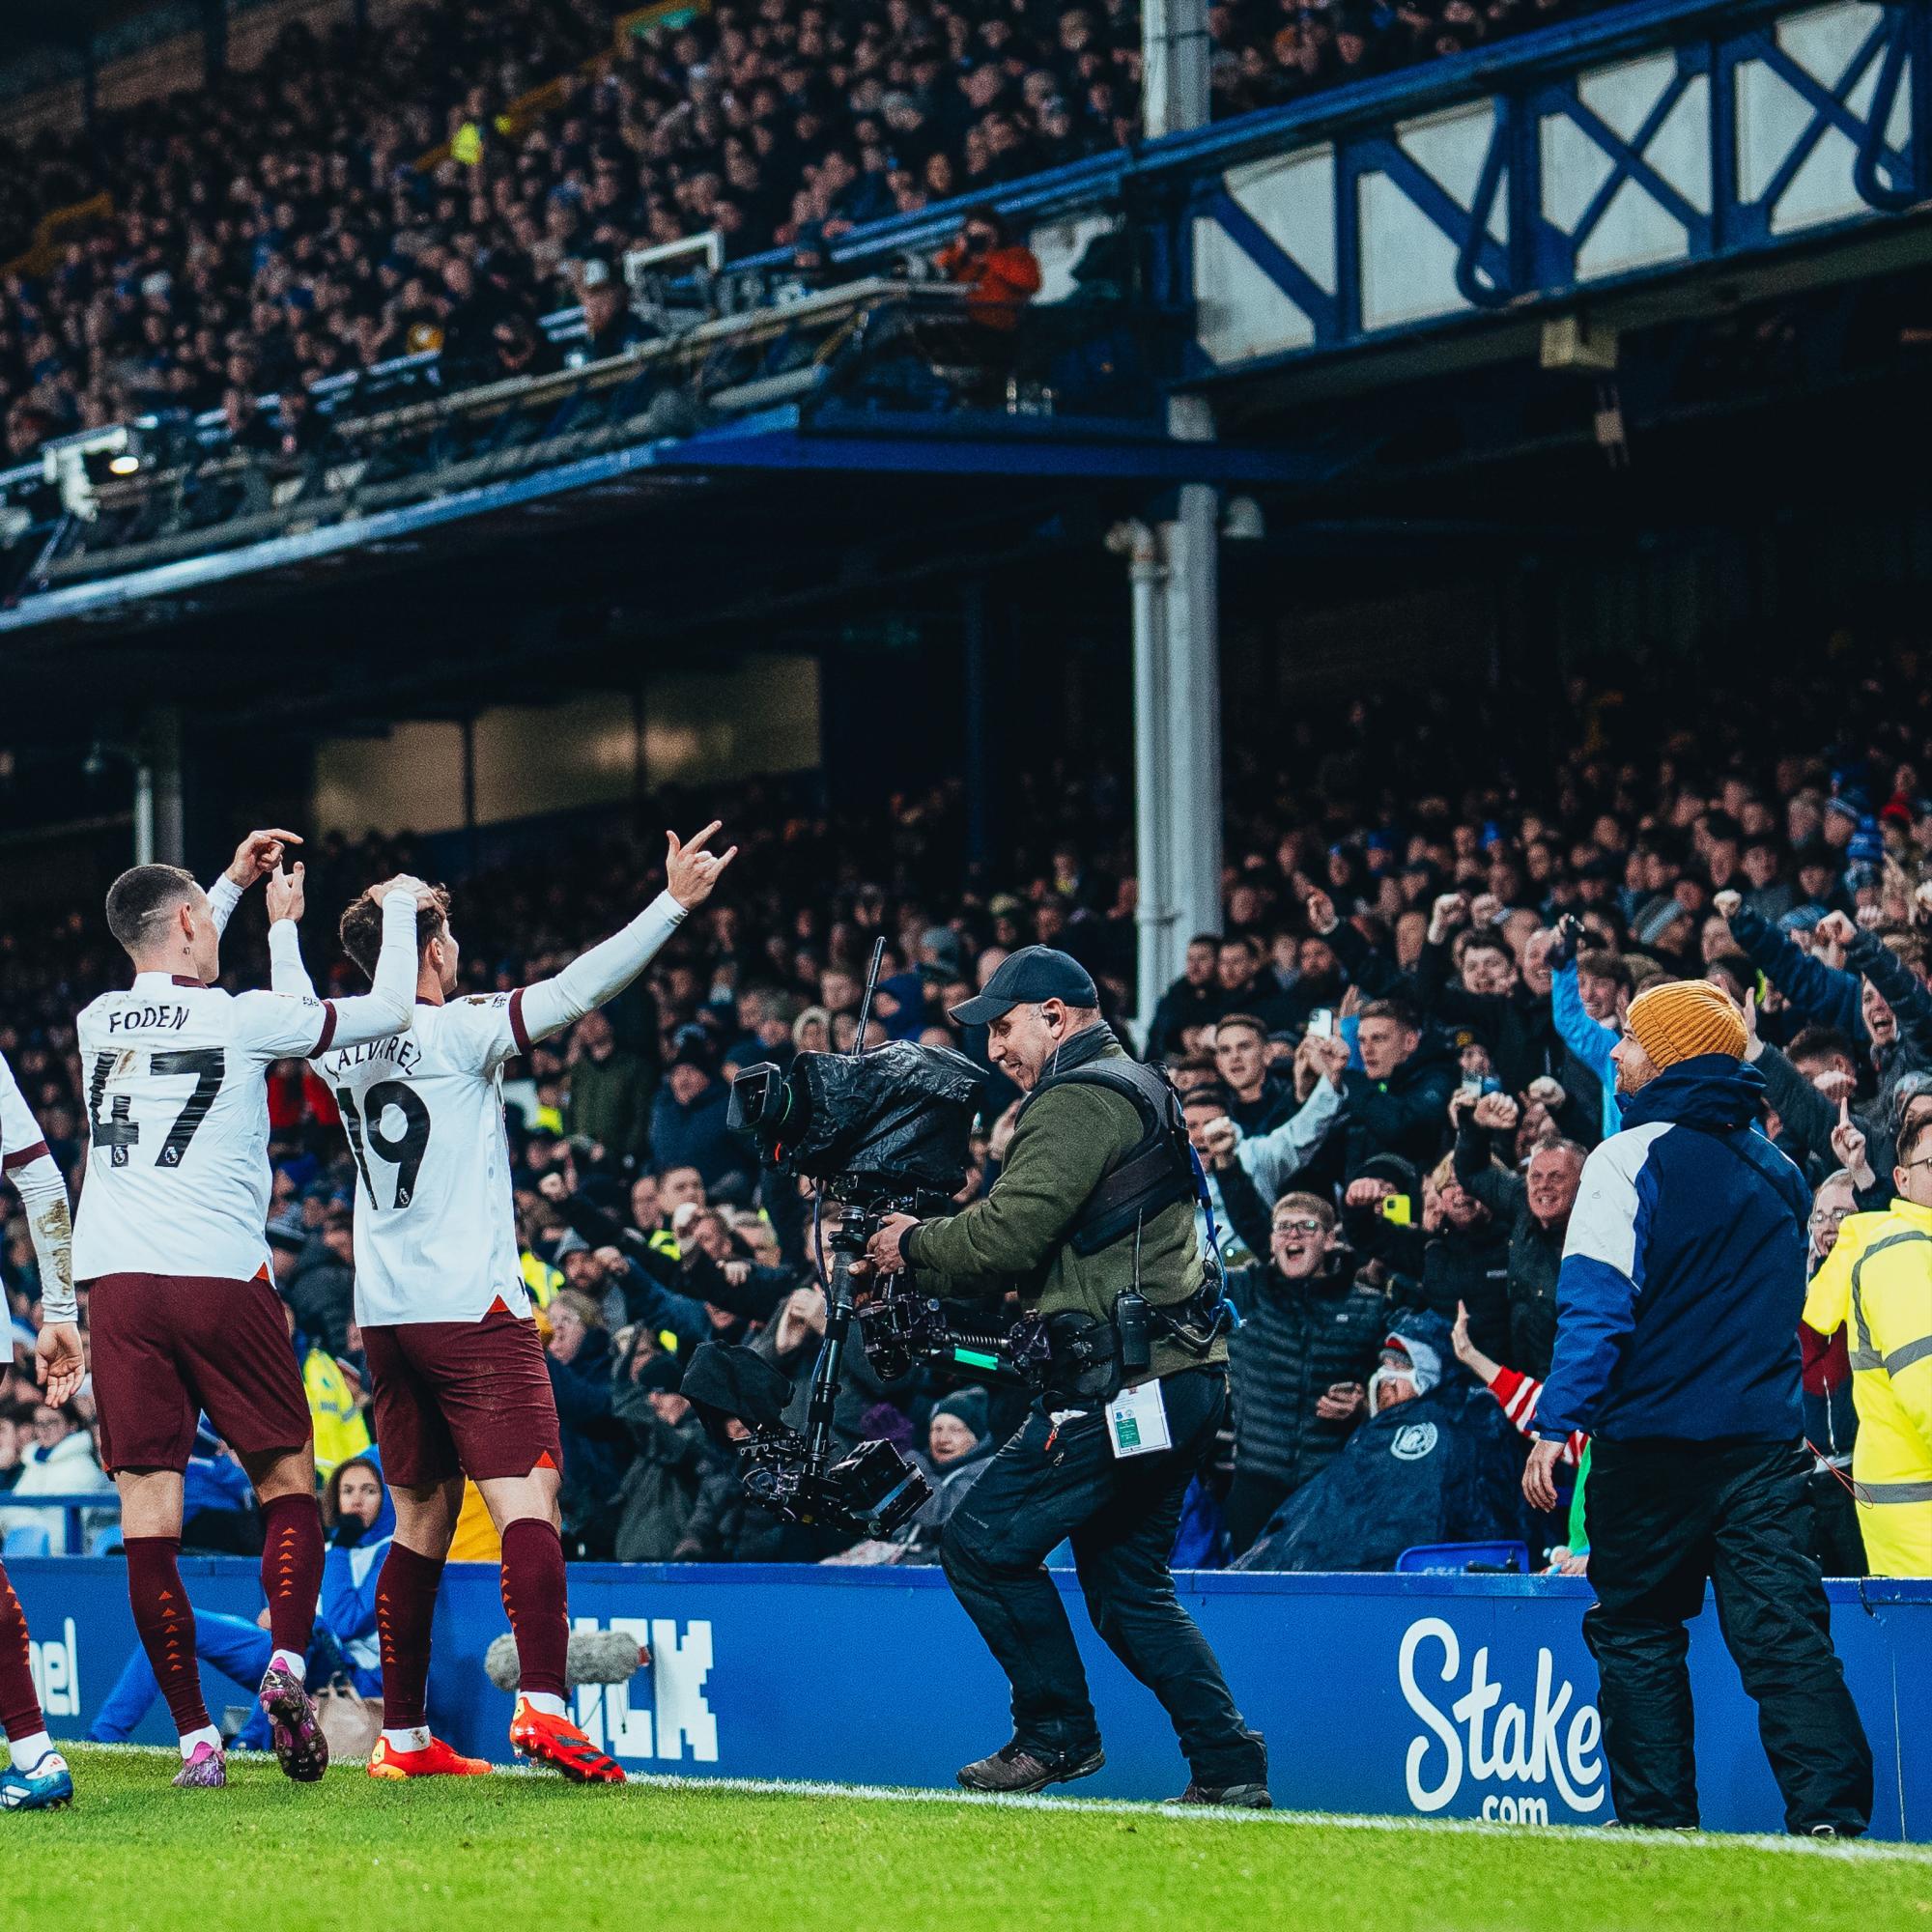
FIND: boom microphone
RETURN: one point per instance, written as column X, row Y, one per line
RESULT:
column 595, row 1657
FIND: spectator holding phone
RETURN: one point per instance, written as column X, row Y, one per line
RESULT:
column 1533, row 1206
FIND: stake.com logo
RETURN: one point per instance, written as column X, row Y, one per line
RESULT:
column 1514, row 1745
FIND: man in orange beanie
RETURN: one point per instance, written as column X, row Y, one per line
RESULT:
column 1677, row 1354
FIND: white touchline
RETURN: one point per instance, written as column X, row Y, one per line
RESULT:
column 1689, row 1842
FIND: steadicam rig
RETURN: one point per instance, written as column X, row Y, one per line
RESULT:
column 879, row 1132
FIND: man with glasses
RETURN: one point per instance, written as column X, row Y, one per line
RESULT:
column 1677, row 1354
column 1299, row 1364
column 1876, row 1284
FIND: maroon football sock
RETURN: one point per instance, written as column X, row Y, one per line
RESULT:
column 405, row 1609
column 20, row 1702
column 166, row 1623
column 533, row 1597
column 291, row 1558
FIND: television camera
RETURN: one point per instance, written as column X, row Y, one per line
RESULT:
column 880, row 1132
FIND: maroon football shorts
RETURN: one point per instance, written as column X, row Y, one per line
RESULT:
column 164, row 1348
column 461, row 1398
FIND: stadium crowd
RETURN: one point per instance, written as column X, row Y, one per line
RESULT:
column 356, row 198
column 1394, row 1055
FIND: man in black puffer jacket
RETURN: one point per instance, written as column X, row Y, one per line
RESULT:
column 1300, row 1361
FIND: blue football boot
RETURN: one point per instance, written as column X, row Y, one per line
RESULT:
column 46, row 1787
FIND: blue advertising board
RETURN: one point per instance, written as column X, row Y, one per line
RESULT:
column 1425, row 1696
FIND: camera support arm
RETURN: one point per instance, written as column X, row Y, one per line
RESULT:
column 845, row 1243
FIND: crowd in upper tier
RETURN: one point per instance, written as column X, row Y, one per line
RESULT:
column 353, row 198
column 1393, row 1055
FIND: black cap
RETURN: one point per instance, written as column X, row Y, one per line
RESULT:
column 1033, row 974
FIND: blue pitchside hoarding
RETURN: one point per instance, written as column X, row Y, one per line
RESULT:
column 1426, row 1696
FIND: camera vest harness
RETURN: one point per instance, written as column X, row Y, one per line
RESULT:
column 1156, row 1171
column 1097, row 1358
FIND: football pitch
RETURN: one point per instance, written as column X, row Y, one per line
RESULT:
column 137, row 1856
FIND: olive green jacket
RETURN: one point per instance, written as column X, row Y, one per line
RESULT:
column 1012, row 1238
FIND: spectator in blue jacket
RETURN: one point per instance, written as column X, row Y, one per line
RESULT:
column 1677, row 1354
column 688, row 1119
column 1589, row 995
column 1817, row 984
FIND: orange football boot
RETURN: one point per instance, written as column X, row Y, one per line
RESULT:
column 546, row 1740
column 437, row 1760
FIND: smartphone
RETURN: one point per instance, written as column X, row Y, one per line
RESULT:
column 1395, row 1208
column 1473, row 1086
column 1322, row 1023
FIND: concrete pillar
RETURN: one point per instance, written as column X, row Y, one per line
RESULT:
column 1175, row 53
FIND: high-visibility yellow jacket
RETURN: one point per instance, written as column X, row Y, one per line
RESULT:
column 475, row 1540
column 340, row 1430
column 1878, row 1279
column 541, row 1278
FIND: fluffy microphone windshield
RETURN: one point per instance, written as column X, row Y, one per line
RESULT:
column 596, row 1657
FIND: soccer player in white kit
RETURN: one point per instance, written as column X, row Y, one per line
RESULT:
column 170, row 1241
column 458, row 1374
column 36, row 1776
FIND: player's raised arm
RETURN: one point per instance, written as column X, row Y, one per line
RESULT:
column 287, row 974
column 290, row 1021
column 690, row 874
column 26, row 1162
column 390, row 1003
column 257, row 855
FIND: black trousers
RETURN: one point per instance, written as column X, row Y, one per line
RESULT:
column 1664, row 1516
column 1837, row 1539
column 1051, row 1483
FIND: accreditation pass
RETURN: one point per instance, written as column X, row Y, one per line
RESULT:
column 1137, row 1421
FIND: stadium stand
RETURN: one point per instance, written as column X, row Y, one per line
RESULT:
column 438, row 185
column 1428, row 900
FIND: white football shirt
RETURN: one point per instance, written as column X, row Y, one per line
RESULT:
column 435, row 1233
column 177, row 1180
column 21, row 1138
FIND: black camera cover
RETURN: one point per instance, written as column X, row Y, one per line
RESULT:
column 901, row 1113
column 896, row 1120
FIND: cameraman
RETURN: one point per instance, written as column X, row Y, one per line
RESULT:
column 1081, row 1228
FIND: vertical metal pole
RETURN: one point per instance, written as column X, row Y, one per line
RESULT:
column 144, row 809
column 1174, row 62
column 1190, row 543
column 1154, row 912
column 978, row 761
column 161, row 753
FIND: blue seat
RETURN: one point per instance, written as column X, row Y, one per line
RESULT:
column 106, row 1541
column 1459, row 1560
column 27, row 1540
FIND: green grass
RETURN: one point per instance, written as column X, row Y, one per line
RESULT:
column 522, row 1850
